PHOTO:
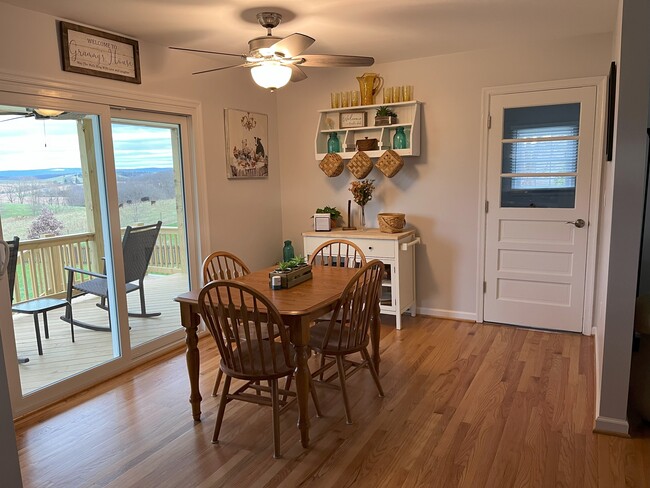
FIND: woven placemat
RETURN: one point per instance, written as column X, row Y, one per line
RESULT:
column 332, row 165
column 360, row 165
column 390, row 163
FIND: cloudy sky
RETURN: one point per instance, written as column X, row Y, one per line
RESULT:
column 27, row 143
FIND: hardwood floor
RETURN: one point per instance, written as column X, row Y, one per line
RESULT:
column 466, row 405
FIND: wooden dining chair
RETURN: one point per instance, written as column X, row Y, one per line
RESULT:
column 222, row 265
column 347, row 332
column 338, row 252
column 239, row 318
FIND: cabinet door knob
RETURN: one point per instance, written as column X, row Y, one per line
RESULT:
column 370, row 248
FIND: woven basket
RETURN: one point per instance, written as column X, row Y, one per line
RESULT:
column 332, row 165
column 391, row 223
column 360, row 165
column 390, row 163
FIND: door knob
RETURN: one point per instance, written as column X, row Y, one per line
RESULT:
column 578, row 223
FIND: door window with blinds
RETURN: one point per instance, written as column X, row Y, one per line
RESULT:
column 540, row 156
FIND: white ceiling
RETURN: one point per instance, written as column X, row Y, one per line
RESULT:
column 388, row 30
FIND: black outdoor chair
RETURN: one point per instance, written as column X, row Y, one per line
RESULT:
column 11, row 264
column 137, row 246
column 11, row 273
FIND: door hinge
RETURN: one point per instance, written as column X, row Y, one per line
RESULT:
column 485, row 287
column 487, row 206
column 489, row 122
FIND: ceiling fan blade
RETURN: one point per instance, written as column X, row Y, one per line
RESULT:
column 335, row 60
column 15, row 118
column 296, row 73
column 207, row 52
column 293, row 45
column 216, row 69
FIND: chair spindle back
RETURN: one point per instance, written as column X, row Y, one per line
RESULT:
column 356, row 309
column 222, row 265
column 338, row 252
column 240, row 318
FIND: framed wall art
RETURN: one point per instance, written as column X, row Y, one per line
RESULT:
column 349, row 120
column 96, row 53
column 246, row 144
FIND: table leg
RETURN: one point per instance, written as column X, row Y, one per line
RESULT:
column 300, row 340
column 38, row 335
column 190, row 320
column 47, row 329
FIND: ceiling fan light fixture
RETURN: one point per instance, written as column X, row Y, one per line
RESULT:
column 271, row 75
column 47, row 112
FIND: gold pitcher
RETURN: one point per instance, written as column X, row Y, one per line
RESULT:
column 369, row 85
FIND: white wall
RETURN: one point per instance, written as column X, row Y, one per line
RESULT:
column 244, row 215
column 438, row 190
column 241, row 216
column 624, row 188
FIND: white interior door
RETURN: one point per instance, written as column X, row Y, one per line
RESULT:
column 540, row 156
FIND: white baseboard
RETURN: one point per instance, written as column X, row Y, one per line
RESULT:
column 447, row 314
column 608, row 425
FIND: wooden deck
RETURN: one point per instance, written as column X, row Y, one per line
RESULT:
column 61, row 358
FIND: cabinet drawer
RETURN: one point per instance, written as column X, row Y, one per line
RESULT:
column 376, row 248
column 372, row 248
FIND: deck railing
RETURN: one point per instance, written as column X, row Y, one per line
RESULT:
column 40, row 268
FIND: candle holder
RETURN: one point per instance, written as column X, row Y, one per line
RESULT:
column 349, row 226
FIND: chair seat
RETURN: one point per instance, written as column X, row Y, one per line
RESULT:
column 317, row 335
column 255, row 371
column 99, row 287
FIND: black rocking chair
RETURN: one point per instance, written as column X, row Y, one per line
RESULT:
column 137, row 247
column 11, row 272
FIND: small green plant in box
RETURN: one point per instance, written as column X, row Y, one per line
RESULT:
column 335, row 214
column 291, row 263
column 385, row 116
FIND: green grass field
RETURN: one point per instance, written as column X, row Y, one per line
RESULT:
column 16, row 218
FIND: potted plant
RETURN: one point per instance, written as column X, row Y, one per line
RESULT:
column 385, row 116
column 335, row 214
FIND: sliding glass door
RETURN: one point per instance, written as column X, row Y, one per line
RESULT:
column 54, row 212
column 96, row 199
column 148, row 151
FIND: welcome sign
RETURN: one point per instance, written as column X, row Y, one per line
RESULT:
column 92, row 52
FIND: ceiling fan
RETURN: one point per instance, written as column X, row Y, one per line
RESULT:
column 40, row 114
column 274, row 61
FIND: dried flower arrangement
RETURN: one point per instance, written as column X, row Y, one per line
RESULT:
column 362, row 191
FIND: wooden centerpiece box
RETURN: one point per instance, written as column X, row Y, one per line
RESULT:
column 293, row 276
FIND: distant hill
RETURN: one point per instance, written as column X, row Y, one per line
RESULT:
column 46, row 174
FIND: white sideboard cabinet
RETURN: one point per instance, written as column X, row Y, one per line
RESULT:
column 396, row 251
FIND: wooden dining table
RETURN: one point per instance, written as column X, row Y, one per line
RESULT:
column 299, row 306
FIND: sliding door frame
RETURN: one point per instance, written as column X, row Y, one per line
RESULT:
column 27, row 91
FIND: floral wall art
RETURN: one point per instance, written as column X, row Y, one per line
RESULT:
column 246, row 144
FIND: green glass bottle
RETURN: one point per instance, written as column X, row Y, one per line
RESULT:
column 287, row 251
column 333, row 145
column 399, row 139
